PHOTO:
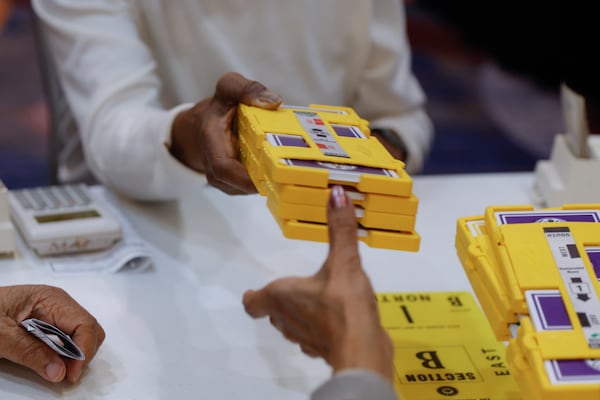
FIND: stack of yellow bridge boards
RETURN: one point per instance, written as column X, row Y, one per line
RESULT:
column 444, row 348
column 295, row 154
column 536, row 275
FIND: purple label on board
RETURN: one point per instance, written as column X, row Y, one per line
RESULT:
column 551, row 311
column 537, row 217
column 576, row 370
column 594, row 256
column 289, row 140
column 347, row 131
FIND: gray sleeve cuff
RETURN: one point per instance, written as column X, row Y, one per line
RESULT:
column 355, row 384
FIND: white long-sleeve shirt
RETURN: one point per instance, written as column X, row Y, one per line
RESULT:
column 127, row 67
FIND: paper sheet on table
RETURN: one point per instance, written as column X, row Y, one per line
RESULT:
column 130, row 254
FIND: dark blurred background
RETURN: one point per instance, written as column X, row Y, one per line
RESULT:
column 490, row 113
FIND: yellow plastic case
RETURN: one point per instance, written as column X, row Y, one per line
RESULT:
column 318, row 197
column 528, row 366
column 255, row 122
column 516, row 245
column 367, row 218
column 250, row 160
column 360, row 153
column 476, row 255
column 294, row 229
column 504, row 261
column 267, row 139
column 311, row 196
column 400, row 185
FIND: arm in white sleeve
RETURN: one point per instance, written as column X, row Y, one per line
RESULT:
column 355, row 384
column 109, row 78
column 389, row 95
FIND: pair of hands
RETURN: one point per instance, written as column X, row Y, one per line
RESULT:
column 332, row 314
column 202, row 138
column 55, row 306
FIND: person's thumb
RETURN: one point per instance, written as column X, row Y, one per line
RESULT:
column 342, row 223
column 20, row 347
column 235, row 88
column 254, row 303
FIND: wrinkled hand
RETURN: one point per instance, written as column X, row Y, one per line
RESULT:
column 55, row 306
column 203, row 139
column 332, row 314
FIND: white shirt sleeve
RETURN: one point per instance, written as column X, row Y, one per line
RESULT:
column 389, row 95
column 355, row 384
column 124, row 126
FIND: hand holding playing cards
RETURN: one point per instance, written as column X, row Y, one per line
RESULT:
column 203, row 138
column 56, row 307
column 332, row 314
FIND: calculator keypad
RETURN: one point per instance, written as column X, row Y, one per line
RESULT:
column 53, row 197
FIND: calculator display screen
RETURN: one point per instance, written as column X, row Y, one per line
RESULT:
column 42, row 219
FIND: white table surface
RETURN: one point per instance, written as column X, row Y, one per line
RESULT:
column 179, row 331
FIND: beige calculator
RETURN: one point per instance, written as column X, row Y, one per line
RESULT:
column 63, row 219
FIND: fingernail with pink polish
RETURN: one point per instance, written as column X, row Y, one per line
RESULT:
column 338, row 196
